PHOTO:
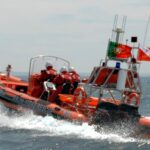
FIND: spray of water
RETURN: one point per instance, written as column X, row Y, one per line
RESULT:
column 50, row 126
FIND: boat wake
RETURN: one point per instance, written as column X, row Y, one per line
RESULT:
column 49, row 126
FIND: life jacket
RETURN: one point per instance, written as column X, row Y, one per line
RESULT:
column 58, row 80
column 66, row 76
column 63, row 80
column 67, row 82
column 36, row 84
column 51, row 74
column 52, row 71
column 43, row 76
column 75, row 77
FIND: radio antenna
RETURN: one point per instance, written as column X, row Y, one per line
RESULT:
column 145, row 35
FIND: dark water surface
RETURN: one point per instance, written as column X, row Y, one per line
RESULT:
column 27, row 131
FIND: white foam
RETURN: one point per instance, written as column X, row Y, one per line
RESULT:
column 52, row 127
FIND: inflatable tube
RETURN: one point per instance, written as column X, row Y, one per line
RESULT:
column 144, row 121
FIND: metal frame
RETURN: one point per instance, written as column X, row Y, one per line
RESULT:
column 103, row 87
column 45, row 56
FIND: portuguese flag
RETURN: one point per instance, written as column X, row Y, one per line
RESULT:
column 118, row 51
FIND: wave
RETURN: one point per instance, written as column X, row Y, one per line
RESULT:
column 49, row 126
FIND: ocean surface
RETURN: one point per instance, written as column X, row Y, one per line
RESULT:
column 31, row 132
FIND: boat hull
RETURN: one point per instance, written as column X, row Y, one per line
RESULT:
column 23, row 102
column 103, row 115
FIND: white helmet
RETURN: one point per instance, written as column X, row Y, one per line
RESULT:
column 71, row 69
column 48, row 64
column 62, row 69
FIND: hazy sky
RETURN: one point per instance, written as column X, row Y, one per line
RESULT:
column 77, row 30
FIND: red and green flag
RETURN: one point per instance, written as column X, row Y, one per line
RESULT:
column 118, row 51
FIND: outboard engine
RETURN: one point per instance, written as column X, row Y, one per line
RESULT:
column 108, row 113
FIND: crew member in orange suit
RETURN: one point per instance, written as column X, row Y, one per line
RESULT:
column 47, row 74
column 75, row 77
column 51, row 72
column 62, row 82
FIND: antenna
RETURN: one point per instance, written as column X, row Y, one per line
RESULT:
column 118, row 32
column 114, row 26
column 123, row 27
column 145, row 35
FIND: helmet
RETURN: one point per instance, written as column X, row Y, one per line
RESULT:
column 62, row 69
column 71, row 69
column 48, row 64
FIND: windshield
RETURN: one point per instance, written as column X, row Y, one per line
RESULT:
column 91, row 90
column 38, row 63
column 96, row 91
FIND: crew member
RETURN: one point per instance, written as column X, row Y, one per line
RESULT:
column 51, row 72
column 62, row 82
column 8, row 70
column 75, row 78
column 47, row 74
